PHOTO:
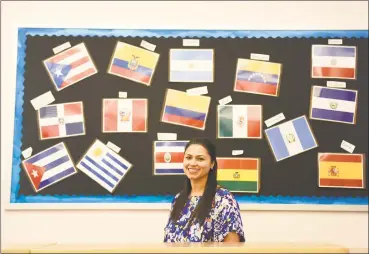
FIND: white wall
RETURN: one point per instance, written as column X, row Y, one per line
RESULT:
column 346, row 228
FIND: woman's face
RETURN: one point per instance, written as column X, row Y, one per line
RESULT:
column 197, row 162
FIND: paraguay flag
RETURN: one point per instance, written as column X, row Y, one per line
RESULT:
column 168, row 157
column 333, row 104
column 257, row 77
column 61, row 120
column 133, row 63
column 239, row 174
column 49, row 167
column 291, row 138
column 124, row 115
column 191, row 65
column 340, row 170
column 330, row 61
column 239, row 121
column 187, row 110
column 70, row 66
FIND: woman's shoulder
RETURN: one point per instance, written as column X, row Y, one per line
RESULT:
column 224, row 195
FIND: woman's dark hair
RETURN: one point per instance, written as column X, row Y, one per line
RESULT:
column 204, row 206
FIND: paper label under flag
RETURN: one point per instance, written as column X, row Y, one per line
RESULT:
column 198, row 90
column 62, row 47
column 122, row 95
column 339, row 84
column 167, row 136
column 335, row 41
column 42, row 100
column 275, row 119
column 259, row 57
column 225, row 100
column 113, row 147
column 347, row 146
column 148, row 45
column 237, row 152
column 27, row 152
column 191, row 42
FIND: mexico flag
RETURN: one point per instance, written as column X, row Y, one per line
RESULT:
column 341, row 170
column 239, row 174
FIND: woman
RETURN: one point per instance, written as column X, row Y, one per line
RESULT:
column 203, row 211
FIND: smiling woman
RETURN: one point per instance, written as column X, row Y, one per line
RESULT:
column 203, row 211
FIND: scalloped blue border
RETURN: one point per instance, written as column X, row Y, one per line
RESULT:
column 23, row 32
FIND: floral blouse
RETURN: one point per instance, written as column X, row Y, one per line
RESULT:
column 224, row 217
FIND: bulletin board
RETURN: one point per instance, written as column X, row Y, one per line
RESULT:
column 288, row 183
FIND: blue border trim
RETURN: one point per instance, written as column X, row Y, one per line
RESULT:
column 23, row 32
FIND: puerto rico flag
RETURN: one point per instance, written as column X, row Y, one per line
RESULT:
column 333, row 104
column 61, row 120
column 187, row 110
column 125, row 115
column 258, row 77
column 291, row 138
column 330, row 61
column 240, row 121
column 341, row 170
column 133, row 63
column 168, row 157
column 49, row 167
column 70, row 66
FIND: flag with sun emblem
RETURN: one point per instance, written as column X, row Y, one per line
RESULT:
column 70, row 66
column 168, row 157
column 291, row 138
column 258, row 77
column 333, row 104
column 49, row 166
column 104, row 166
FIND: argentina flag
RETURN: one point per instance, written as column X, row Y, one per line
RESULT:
column 291, row 138
column 104, row 166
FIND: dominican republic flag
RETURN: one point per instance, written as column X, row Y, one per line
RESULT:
column 258, row 77
column 70, row 66
column 240, row 121
column 125, row 115
column 191, row 65
column 291, row 138
column 104, row 166
column 341, row 170
column 168, row 157
column 239, row 174
column 333, row 104
column 133, row 63
column 330, row 61
column 49, row 167
column 61, row 120
column 187, row 110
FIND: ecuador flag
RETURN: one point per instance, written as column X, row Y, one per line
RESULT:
column 239, row 174
column 341, row 170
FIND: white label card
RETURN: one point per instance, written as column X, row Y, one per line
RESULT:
column 263, row 57
column 62, row 47
column 191, row 42
column 113, row 147
column 335, row 41
column 167, row 136
column 237, row 152
column 225, row 100
column 122, row 94
column 275, row 119
column 148, row 45
column 198, row 90
column 338, row 84
column 347, row 146
column 27, row 152
column 42, row 100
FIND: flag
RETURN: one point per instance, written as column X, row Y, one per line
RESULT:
column 134, row 63
column 291, row 138
column 70, row 66
column 340, row 170
column 168, row 157
column 187, row 110
column 239, row 174
column 49, row 166
column 125, row 115
column 104, row 166
column 239, row 121
column 191, row 65
column 330, row 61
column 61, row 120
column 257, row 77
column 333, row 104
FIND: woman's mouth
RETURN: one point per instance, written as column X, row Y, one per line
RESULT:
column 193, row 170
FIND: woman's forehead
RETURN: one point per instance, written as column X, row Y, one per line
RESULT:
column 197, row 150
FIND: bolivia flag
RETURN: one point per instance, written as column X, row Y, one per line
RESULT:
column 239, row 174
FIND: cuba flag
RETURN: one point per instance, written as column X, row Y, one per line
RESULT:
column 291, row 138
column 333, row 104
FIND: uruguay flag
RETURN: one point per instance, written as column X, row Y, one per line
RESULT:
column 291, row 138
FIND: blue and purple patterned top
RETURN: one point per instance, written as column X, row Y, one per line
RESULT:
column 224, row 217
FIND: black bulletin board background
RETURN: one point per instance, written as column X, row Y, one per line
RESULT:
column 296, row 176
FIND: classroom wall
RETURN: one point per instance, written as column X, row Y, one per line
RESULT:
column 345, row 228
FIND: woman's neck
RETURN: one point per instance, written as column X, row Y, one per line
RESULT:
column 198, row 186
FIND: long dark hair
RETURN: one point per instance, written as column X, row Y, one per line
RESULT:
column 204, row 206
